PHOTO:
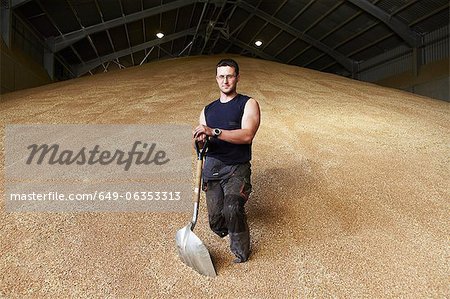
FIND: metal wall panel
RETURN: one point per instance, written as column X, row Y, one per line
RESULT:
column 437, row 45
column 393, row 67
column 400, row 59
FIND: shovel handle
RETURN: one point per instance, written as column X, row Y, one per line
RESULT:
column 198, row 179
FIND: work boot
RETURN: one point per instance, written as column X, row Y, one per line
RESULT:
column 240, row 246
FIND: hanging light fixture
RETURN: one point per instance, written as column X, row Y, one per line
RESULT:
column 159, row 35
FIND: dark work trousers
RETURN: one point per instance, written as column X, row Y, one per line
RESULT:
column 225, row 200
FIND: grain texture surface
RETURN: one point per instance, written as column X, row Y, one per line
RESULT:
column 351, row 193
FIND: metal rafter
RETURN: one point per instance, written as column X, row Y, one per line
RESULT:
column 309, row 27
column 226, row 25
column 160, row 23
column 143, row 28
column 176, row 25
column 391, row 34
column 67, row 39
column 409, row 36
column 57, row 29
column 334, row 30
column 146, row 55
column 348, row 63
column 126, row 32
column 213, row 26
column 373, row 25
column 290, row 22
column 17, row 3
column 5, row 13
column 165, row 51
column 344, row 42
column 189, row 24
column 49, row 17
column 361, row 49
column 332, row 9
column 103, row 20
column 330, row 32
column 42, row 42
column 265, row 24
column 82, row 26
column 107, row 30
column 285, row 47
column 82, row 69
column 185, row 48
column 437, row 10
column 252, row 49
column 198, row 27
column 239, row 28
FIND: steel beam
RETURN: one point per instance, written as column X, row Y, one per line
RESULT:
column 239, row 28
column 89, row 65
column 61, row 42
column 17, row 3
column 225, row 25
column 198, row 27
column 252, row 49
column 411, row 37
column 126, row 31
column 346, row 62
column 330, row 32
column 5, row 23
column 212, row 27
column 107, row 31
column 175, row 28
column 38, row 37
column 146, row 55
column 266, row 44
column 48, row 55
column 189, row 24
column 49, row 63
column 252, row 40
column 82, row 26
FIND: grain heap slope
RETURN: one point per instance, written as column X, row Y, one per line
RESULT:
column 350, row 191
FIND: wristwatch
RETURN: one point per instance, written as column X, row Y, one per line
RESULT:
column 217, row 132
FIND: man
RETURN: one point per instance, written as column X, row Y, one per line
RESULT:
column 230, row 123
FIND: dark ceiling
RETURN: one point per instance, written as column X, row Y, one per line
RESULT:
column 90, row 36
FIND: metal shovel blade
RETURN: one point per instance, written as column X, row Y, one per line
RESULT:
column 193, row 252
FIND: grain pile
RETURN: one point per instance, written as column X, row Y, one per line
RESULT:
column 350, row 191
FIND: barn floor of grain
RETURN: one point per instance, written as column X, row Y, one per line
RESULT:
column 350, row 191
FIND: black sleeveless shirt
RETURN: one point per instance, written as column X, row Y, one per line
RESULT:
column 227, row 116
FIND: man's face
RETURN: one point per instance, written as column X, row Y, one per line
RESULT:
column 227, row 79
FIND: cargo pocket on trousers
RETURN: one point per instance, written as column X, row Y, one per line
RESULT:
column 246, row 188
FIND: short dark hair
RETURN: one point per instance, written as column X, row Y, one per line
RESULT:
column 229, row 62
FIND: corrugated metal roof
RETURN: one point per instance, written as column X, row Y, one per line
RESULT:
column 321, row 34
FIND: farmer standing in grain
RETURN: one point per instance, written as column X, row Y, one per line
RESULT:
column 231, row 123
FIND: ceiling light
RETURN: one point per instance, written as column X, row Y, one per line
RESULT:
column 258, row 43
column 160, row 35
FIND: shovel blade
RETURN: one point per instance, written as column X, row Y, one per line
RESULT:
column 193, row 252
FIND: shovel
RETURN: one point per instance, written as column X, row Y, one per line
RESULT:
column 191, row 249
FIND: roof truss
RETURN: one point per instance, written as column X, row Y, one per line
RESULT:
column 65, row 40
column 89, row 65
column 346, row 62
column 410, row 37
